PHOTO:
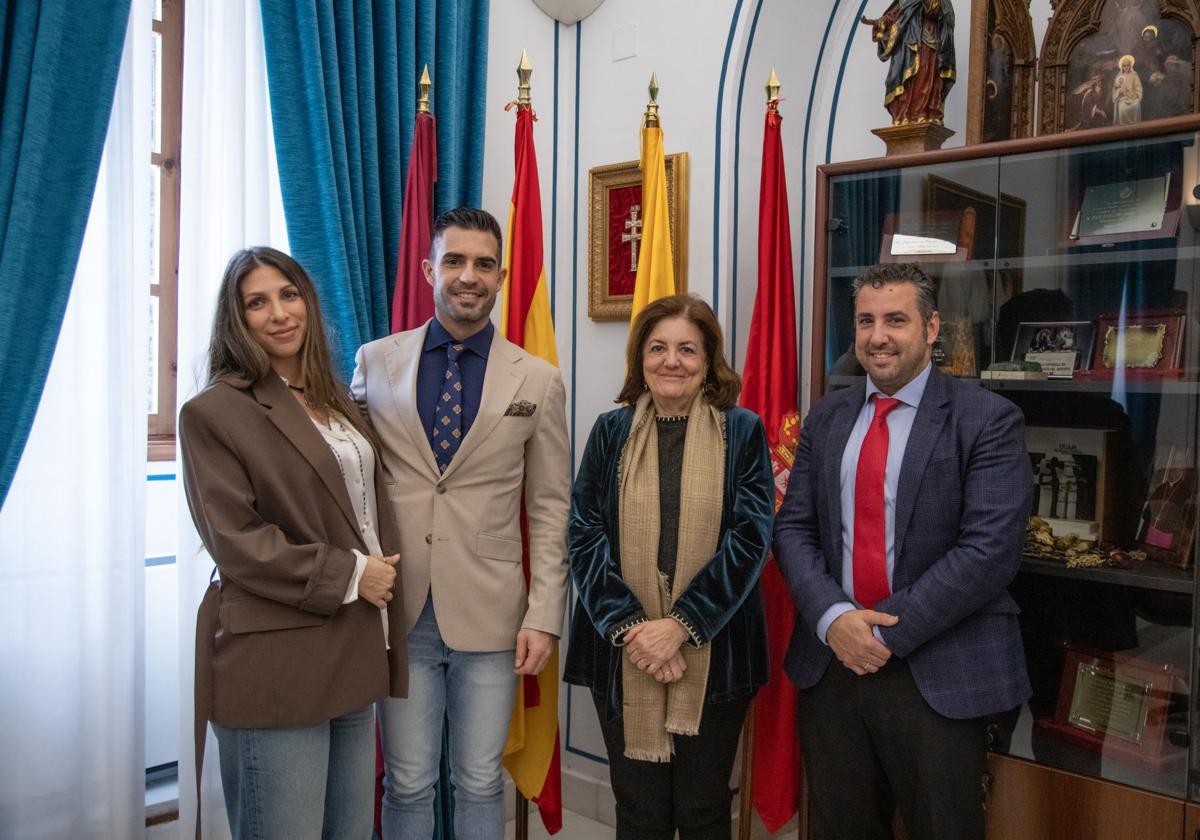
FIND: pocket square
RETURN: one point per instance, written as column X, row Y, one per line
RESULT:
column 521, row 408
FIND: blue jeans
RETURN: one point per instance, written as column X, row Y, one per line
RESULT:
column 475, row 692
column 300, row 782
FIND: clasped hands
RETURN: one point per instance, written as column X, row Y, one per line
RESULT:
column 853, row 641
column 653, row 647
column 378, row 579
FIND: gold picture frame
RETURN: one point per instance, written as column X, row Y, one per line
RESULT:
column 612, row 189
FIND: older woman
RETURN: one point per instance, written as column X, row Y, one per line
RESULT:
column 303, row 632
column 670, row 523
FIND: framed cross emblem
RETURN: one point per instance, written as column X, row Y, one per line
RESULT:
column 615, row 233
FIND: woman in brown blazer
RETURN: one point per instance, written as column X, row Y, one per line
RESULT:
column 303, row 632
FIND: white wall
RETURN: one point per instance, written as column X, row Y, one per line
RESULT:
column 820, row 53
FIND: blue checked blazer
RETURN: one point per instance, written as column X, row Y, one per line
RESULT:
column 962, row 504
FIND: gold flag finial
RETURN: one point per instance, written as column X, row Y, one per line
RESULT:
column 524, row 71
column 773, row 88
column 423, row 87
column 651, row 115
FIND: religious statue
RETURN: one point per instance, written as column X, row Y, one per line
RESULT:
column 917, row 37
column 1127, row 94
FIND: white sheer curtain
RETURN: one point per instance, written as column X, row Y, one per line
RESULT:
column 72, row 529
column 230, row 199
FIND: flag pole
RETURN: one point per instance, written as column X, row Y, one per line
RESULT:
column 746, row 790
column 524, row 100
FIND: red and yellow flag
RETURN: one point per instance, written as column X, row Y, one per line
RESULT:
column 770, row 389
column 656, row 265
column 531, row 755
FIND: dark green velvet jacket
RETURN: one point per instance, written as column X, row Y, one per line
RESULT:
column 723, row 602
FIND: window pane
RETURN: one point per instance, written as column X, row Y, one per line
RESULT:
column 152, row 359
column 153, row 239
column 156, row 94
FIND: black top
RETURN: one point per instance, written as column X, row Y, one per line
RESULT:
column 671, row 432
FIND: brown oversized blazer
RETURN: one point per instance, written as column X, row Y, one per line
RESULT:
column 460, row 530
column 275, row 646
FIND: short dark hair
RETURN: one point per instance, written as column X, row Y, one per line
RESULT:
column 467, row 218
column 883, row 274
column 721, row 384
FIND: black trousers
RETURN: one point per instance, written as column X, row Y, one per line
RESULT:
column 689, row 793
column 872, row 745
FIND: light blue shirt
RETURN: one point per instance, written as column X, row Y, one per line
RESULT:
column 899, row 423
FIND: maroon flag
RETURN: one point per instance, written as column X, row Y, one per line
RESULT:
column 770, row 389
column 412, row 302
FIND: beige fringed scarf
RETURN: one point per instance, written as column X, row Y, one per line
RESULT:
column 653, row 711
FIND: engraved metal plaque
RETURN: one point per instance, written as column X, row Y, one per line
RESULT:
column 1106, row 704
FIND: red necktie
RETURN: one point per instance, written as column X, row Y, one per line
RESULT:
column 870, row 529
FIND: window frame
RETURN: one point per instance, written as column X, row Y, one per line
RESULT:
column 161, row 425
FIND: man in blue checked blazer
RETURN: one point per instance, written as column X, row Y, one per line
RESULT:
column 899, row 535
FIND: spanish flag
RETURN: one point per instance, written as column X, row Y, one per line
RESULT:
column 656, row 266
column 531, row 755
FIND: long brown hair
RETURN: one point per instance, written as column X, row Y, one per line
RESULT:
column 236, row 358
column 721, row 384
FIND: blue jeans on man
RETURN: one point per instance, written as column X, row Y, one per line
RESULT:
column 474, row 692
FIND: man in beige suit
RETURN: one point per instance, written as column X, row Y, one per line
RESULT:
column 470, row 427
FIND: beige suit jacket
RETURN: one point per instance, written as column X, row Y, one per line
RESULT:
column 460, row 531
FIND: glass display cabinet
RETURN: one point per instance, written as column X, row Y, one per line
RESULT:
column 1068, row 273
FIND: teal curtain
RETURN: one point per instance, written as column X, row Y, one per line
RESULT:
column 58, row 73
column 343, row 85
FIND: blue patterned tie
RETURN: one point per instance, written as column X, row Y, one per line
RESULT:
column 447, row 416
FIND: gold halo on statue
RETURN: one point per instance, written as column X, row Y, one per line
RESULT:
column 1127, row 58
column 1151, row 28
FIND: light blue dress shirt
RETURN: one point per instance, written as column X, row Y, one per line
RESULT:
column 900, row 422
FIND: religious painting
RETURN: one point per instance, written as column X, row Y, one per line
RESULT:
column 1118, row 62
column 1002, row 71
column 615, row 233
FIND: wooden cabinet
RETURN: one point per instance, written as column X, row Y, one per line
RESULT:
column 1081, row 252
column 1033, row 802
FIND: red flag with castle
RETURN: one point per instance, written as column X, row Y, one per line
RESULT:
column 770, row 389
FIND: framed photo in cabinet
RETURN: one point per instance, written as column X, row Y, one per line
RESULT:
column 1060, row 347
column 1074, row 480
column 1167, row 524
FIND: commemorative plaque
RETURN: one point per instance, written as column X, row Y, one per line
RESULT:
column 1116, row 704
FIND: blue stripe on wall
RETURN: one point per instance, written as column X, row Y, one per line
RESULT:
column 716, row 301
column 575, row 342
column 161, row 560
column 812, row 94
column 554, row 189
column 837, row 88
column 737, row 166
column 161, row 477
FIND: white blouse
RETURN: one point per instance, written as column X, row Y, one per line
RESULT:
column 356, row 459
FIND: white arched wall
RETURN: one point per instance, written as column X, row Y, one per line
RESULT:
column 712, row 58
